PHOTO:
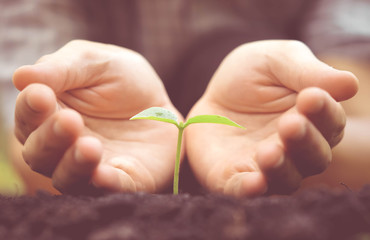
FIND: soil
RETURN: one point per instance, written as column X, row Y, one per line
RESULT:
column 313, row 214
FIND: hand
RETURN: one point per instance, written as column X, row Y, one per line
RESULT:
column 72, row 117
column 288, row 102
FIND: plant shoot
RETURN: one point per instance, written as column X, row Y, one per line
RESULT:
column 164, row 115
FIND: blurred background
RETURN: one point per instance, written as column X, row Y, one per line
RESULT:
column 10, row 182
column 184, row 40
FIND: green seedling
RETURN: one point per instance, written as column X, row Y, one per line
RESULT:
column 164, row 115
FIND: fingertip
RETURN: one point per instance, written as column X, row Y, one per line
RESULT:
column 36, row 73
column 269, row 157
column 292, row 127
column 40, row 98
column 340, row 84
column 21, row 75
column 34, row 105
column 75, row 170
column 47, row 73
column 111, row 179
column 246, row 184
column 350, row 86
column 311, row 100
column 254, row 184
column 68, row 123
column 88, row 150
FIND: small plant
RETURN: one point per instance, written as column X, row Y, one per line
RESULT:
column 164, row 115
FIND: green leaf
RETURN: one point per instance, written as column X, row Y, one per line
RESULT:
column 212, row 119
column 158, row 114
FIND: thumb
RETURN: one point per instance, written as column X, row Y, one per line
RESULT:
column 72, row 66
column 297, row 68
column 48, row 73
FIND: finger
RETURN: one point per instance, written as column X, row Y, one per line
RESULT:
column 246, row 184
column 282, row 176
column 304, row 145
column 124, row 173
column 79, row 64
column 34, row 104
column 237, row 178
column 324, row 112
column 74, row 171
column 293, row 64
column 108, row 178
column 47, row 144
column 59, row 75
column 75, row 65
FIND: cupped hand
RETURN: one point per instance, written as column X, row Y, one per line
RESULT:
column 287, row 100
column 72, row 117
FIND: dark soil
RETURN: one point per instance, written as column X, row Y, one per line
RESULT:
column 314, row 214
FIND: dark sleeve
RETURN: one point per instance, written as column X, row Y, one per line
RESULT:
column 339, row 28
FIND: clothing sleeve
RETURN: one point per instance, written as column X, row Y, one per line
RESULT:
column 339, row 28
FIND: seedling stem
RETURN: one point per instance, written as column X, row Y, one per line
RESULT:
column 164, row 115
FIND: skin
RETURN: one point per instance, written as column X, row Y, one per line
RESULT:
column 72, row 119
column 288, row 101
column 73, row 131
column 350, row 164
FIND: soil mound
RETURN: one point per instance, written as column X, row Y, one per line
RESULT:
column 313, row 214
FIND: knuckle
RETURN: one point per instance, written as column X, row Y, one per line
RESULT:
column 133, row 57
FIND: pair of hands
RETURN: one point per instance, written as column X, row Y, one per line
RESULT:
column 73, row 109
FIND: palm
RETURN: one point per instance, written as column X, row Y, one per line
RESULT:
column 287, row 100
column 137, row 148
column 247, row 105
column 105, row 89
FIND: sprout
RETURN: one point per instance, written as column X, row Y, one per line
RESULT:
column 164, row 115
